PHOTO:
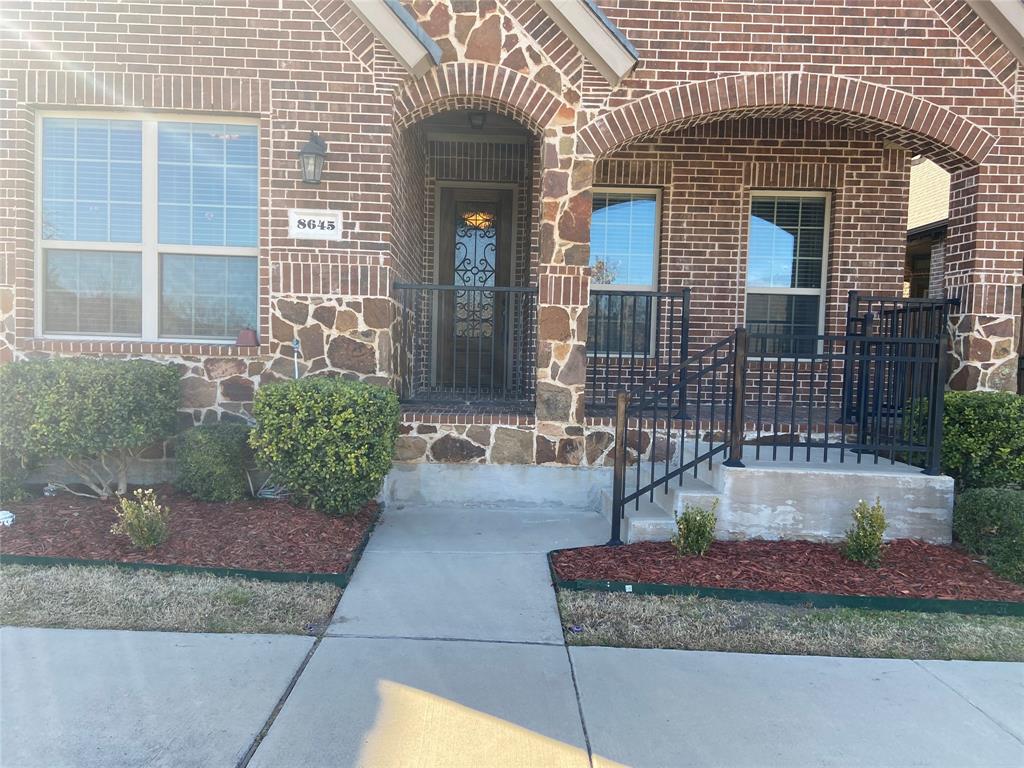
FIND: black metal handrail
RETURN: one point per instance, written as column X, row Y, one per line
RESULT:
column 651, row 422
column 468, row 344
column 878, row 398
column 632, row 337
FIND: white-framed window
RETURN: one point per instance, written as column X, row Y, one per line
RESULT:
column 148, row 226
column 787, row 261
column 624, row 237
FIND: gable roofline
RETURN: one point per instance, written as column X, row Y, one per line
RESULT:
column 395, row 27
column 597, row 37
column 1006, row 19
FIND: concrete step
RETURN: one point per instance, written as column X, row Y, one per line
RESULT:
column 693, row 491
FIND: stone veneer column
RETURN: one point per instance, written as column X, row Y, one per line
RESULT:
column 563, row 297
column 983, row 269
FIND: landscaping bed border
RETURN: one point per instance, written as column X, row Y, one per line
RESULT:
column 814, row 599
column 340, row 580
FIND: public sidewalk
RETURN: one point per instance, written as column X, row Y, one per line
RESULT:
column 446, row 650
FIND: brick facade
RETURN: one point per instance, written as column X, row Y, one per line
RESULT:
column 728, row 97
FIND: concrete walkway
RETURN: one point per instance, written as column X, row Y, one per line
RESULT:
column 446, row 650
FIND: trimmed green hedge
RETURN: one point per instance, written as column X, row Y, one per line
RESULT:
column 83, row 409
column 211, row 461
column 327, row 440
column 983, row 439
column 990, row 522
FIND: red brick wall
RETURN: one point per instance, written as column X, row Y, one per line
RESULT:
column 707, row 173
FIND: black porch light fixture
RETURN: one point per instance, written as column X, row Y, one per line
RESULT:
column 311, row 158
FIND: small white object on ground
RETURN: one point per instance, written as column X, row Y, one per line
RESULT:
column 6, row 518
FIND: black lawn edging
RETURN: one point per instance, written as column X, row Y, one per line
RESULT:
column 340, row 580
column 812, row 599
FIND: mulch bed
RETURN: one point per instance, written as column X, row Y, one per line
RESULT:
column 255, row 534
column 909, row 569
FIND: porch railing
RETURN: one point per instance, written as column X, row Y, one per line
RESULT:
column 632, row 338
column 865, row 397
column 467, row 344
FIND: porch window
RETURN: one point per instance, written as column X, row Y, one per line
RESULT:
column 786, row 258
column 623, row 262
column 148, row 228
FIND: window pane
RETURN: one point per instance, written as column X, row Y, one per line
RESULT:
column 622, row 238
column 786, row 242
column 202, row 168
column 87, row 164
column 790, row 323
column 207, row 296
column 93, row 292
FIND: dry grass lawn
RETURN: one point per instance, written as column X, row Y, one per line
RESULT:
column 112, row 598
column 692, row 623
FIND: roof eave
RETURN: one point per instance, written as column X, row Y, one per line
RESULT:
column 400, row 33
column 597, row 37
column 1006, row 19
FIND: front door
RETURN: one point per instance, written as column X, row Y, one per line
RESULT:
column 474, row 255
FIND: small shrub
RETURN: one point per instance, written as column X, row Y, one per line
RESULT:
column 864, row 539
column 143, row 520
column 695, row 529
column 95, row 414
column 211, row 461
column 990, row 522
column 983, row 439
column 14, row 471
column 329, row 441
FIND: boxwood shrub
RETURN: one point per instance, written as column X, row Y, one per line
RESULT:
column 94, row 413
column 990, row 522
column 983, row 439
column 327, row 440
column 212, row 460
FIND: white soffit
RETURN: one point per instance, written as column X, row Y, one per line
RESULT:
column 397, row 29
column 1006, row 19
column 595, row 35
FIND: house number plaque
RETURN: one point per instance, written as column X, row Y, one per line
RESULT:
column 314, row 225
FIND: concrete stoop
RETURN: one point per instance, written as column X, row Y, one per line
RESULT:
column 810, row 500
column 806, row 499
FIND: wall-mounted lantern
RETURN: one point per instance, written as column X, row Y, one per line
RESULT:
column 311, row 158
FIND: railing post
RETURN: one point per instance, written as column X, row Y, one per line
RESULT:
column 619, row 478
column 739, row 390
column 938, row 409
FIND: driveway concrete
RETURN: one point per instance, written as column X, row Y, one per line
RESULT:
column 429, row 703
column 654, row 708
column 82, row 698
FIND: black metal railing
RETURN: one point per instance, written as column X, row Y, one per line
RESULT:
column 467, row 344
column 672, row 425
column 850, row 398
column 632, row 337
column 858, row 397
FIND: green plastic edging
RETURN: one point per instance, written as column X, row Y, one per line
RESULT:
column 815, row 599
column 338, row 579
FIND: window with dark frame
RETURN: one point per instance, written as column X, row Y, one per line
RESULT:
column 786, row 262
column 623, row 261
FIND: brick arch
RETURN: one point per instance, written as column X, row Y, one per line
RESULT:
column 922, row 127
column 474, row 85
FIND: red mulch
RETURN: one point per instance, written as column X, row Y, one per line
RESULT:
column 255, row 534
column 909, row 569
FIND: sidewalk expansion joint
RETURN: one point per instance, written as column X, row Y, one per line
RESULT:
column 987, row 716
column 353, row 636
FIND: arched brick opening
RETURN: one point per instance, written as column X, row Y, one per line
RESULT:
column 919, row 126
column 472, row 85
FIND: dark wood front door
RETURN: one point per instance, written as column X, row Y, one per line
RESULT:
column 474, row 255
